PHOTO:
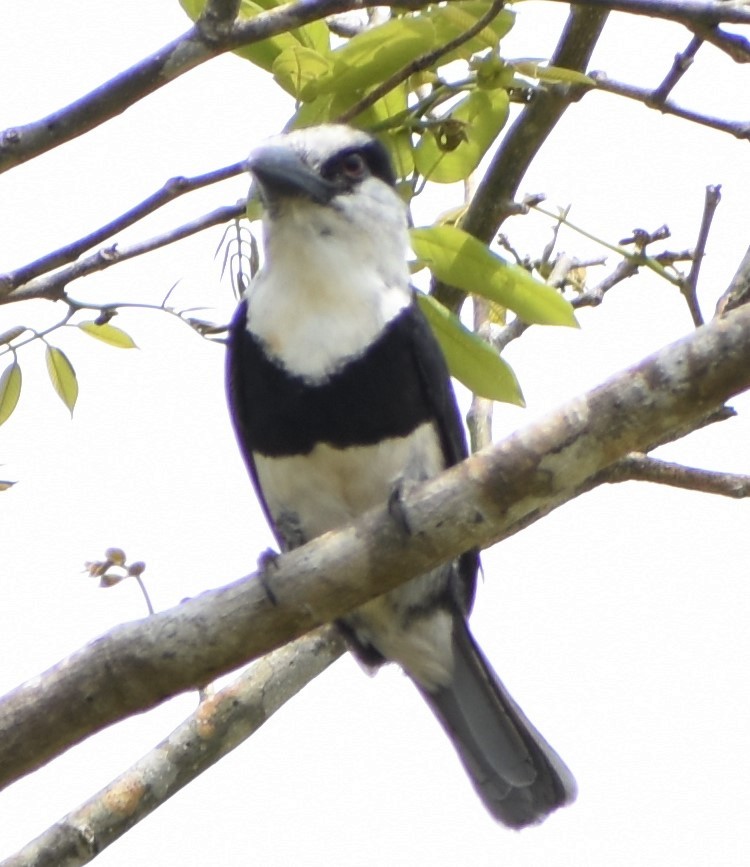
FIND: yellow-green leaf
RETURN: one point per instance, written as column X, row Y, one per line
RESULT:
column 10, row 390
column 297, row 69
column 370, row 57
column 470, row 359
column 62, row 376
column 110, row 334
column 453, row 19
column 460, row 260
column 476, row 122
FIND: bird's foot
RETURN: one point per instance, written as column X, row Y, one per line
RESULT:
column 268, row 563
column 396, row 508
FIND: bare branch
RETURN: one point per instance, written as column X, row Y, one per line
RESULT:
column 739, row 129
column 53, row 286
column 593, row 296
column 479, row 418
column 689, row 287
column 488, row 497
column 220, row 723
column 682, row 62
column 201, row 43
column 213, row 36
column 641, row 468
column 689, row 12
column 172, row 189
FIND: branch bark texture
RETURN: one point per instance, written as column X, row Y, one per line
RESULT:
column 219, row 724
column 202, row 42
column 490, row 496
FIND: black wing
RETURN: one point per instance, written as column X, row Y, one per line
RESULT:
column 237, row 363
column 436, row 383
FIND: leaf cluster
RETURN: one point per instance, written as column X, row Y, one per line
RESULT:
column 62, row 374
column 438, row 111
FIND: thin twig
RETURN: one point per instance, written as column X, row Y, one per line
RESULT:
column 144, row 591
column 640, row 467
column 640, row 237
column 685, row 12
column 682, row 62
column 421, row 63
column 592, row 296
column 479, row 417
column 52, row 286
column 172, row 189
column 739, row 129
column 689, row 286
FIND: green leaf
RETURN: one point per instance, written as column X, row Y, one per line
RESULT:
column 62, row 376
column 10, row 390
column 470, row 359
column 320, row 110
column 372, row 56
column 459, row 259
column 453, row 19
column 398, row 142
column 297, row 69
column 455, row 148
column 108, row 334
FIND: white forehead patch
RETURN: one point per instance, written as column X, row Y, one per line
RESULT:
column 317, row 143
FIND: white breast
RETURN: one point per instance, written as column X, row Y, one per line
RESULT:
column 329, row 487
column 334, row 278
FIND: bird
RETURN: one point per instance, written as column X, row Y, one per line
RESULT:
column 340, row 396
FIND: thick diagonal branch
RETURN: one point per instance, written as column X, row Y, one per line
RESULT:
column 220, row 723
column 493, row 494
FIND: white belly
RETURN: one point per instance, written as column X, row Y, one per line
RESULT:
column 329, row 487
column 307, row 495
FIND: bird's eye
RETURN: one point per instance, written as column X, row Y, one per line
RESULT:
column 353, row 166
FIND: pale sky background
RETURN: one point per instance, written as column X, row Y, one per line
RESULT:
column 619, row 623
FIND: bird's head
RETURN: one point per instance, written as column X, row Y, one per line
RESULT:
column 332, row 180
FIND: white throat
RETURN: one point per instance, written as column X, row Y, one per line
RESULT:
column 329, row 285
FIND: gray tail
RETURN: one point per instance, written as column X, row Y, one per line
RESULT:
column 515, row 772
